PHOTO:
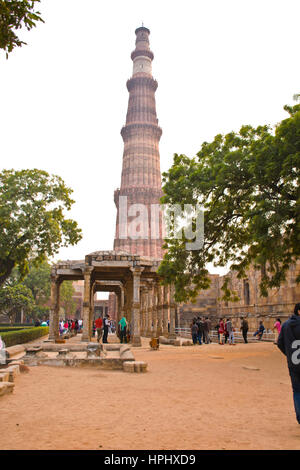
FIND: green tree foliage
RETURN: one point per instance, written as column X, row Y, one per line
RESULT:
column 39, row 312
column 15, row 14
column 15, row 298
column 38, row 281
column 248, row 186
column 32, row 221
column 66, row 298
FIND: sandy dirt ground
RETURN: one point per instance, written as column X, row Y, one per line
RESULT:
column 193, row 397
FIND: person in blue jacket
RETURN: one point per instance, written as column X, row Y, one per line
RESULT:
column 289, row 343
column 259, row 333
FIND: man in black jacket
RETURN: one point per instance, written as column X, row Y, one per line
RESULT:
column 105, row 328
column 244, row 328
column 289, row 343
column 199, row 322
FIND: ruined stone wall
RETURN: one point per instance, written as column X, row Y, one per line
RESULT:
column 278, row 304
column 205, row 305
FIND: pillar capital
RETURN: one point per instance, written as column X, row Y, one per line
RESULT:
column 56, row 278
column 136, row 270
column 87, row 270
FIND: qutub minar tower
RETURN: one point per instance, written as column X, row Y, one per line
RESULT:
column 141, row 176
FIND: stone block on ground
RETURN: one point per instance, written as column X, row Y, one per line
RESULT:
column 17, row 362
column 163, row 340
column 140, row 366
column 187, row 343
column 6, row 387
column 63, row 352
column 14, row 350
column 124, row 348
column 177, row 342
column 4, row 375
column 13, row 372
column 33, row 350
column 41, row 354
column 127, row 355
column 128, row 366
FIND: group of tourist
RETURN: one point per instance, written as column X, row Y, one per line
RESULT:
column 200, row 330
column 102, row 326
column 70, row 326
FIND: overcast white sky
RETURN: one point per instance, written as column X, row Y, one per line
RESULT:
column 219, row 64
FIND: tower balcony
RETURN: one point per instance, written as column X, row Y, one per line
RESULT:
column 140, row 82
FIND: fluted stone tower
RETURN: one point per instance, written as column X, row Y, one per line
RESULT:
column 141, row 176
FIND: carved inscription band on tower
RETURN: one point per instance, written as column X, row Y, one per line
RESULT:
column 141, row 175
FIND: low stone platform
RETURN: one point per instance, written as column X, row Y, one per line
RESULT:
column 6, row 387
column 175, row 342
column 103, row 356
column 8, row 375
column 135, row 366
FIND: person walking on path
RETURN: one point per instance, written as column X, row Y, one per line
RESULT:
column 207, row 326
column 105, row 328
column 195, row 332
column 221, row 331
column 229, row 329
column 226, row 333
column 244, row 329
column 99, row 328
column 123, row 329
column 200, row 325
column 259, row 333
column 288, row 343
column 277, row 328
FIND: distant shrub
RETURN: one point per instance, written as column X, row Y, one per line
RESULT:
column 12, row 328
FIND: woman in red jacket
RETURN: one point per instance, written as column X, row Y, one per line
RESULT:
column 221, row 331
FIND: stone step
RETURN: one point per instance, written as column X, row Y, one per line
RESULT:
column 140, row 366
column 135, row 366
column 6, row 387
column 4, row 375
column 128, row 366
column 13, row 372
column 16, row 362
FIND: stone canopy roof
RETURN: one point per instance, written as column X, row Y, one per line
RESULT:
column 106, row 265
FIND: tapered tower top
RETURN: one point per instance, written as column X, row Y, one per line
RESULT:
column 142, row 56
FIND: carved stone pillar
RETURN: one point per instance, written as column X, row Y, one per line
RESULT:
column 86, row 331
column 119, row 307
column 136, row 307
column 54, row 311
column 172, row 334
column 128, row 289
column 154, row 311
column 159, row 310
column 149, row 311
column 165, row 310
column 143, row 310
column 92, row 306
